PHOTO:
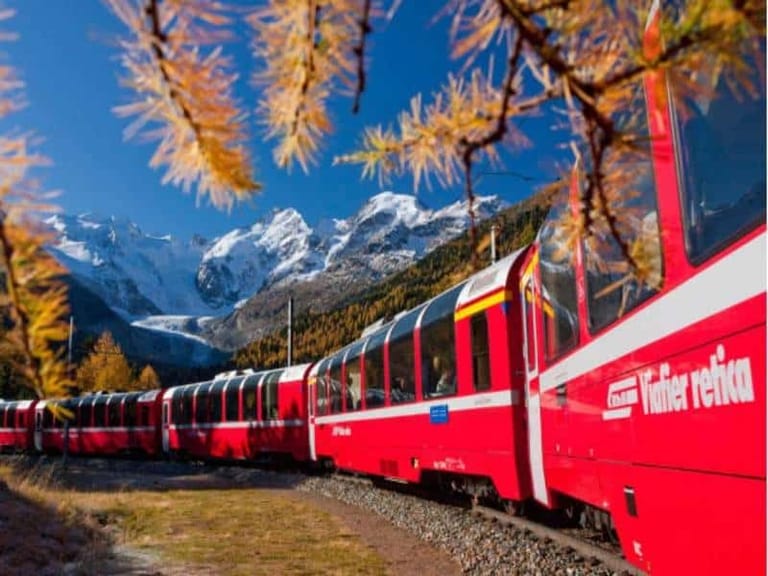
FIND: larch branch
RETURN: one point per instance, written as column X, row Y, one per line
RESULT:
column 313, row 18
column 160, row 38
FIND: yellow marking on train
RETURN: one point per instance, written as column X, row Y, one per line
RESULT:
column 483, row 304
column 529, row 269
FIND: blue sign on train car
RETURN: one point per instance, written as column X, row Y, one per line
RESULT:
column 438, row 414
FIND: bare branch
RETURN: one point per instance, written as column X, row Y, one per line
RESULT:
column 359, row 51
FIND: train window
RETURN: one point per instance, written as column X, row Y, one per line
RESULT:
column 322, row 395
column 373, row 362
column 530, row 335
column 201, row 403
column 249, row 396
column 352, row 383
column 334, row 384
column 130, row 411
column 2, row 416
column 146, row 415
column 401, row 370
column 10, row 417
column 438, row 367
column 75, row 420
column 269, row 390
column 322, row 389
column 232, row 399
column 721, row 158
column 402, row 361
column 189, row 396
column 86, row 413
column 558, row 285
column 54, row 421
column 612, row 291
column 215, row 405
column 99, row 416
column 481, row 365
column 177, row 406
column 69, row 420
column 438, row 345
column 47, row 419
column 353, row 396
column 113, row 412
column 22, row 419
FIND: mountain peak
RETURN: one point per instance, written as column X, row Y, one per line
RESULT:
column 139, row 275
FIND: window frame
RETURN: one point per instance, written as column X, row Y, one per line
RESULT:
column 100, row 412
column 201, row 408
column 482, row 315
column 352, row 357
column 561, row 202
column 374, row 345
column 250, row 384
column 320, row 381
column 403, row 331
column 271, row 380
column 440, row 311
column 335, row 365
column 131, row 410
column 232, row 398
column 216, row 401
column 714, row 249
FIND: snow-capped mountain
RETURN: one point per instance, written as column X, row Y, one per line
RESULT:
column 165, row 283
column 135, row 274
column 389, row 232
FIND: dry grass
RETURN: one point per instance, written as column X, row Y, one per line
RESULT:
column 221, row 531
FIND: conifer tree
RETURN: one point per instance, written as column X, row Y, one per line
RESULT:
column 148, row 379
column 105, row 368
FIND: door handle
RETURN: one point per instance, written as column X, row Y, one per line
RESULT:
column 562, row 395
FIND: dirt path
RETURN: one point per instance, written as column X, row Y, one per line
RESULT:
column 90, row 546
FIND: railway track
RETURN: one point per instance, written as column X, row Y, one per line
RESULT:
column 581, row 546
column 596, row 554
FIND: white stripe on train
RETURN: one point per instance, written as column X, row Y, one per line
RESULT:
column 481, row 401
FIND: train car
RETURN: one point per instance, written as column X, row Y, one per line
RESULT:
column 16, row 425
column 103, row 424
column 435, row 395
column 646, row 406
column 242, row 415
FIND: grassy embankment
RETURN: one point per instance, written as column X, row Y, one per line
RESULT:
column 230, row 531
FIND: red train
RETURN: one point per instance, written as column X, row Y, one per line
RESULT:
column 643, row 410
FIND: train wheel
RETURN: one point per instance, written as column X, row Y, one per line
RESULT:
column 573, row 514
column 514, row 507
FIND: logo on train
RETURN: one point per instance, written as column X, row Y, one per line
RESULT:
column 341, row 431
column 664, row 390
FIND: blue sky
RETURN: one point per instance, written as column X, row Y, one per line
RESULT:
column 67, row 58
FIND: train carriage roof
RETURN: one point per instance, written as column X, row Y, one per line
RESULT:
column 294, row 373
column 18, row 404
column 149, row 396
column 490, row 280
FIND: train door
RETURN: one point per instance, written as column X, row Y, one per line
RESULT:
column 39, row 409
column 311, row 391
column 533, row 397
